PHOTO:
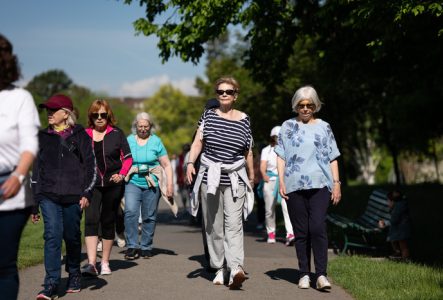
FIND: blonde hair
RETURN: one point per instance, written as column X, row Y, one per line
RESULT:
column 72, row 119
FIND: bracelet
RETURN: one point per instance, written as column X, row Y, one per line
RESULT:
column 337, row 181
column 190, row 163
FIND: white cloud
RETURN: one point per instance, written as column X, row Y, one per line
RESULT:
column 148, row 86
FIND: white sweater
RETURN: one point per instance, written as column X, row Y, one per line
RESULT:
column 19, row 123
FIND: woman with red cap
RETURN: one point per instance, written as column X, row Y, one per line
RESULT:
column 62, row 180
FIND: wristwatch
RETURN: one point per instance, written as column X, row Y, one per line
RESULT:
column 20, row 177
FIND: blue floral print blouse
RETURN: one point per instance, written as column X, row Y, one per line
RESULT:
column 307, row 150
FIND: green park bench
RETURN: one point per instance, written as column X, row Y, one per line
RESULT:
column 362, row 232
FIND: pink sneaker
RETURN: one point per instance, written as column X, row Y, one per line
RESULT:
column 271, row 238
column 290, row 238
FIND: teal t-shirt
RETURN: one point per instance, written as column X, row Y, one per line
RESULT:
column 145, row 157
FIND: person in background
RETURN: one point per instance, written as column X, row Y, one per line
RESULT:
column 309, row 179
column 114, row 160
column 268, row 170
column 63, row 179
column 399, row 225
column 151, row 174
column 225, row 140
column 180, row 172
column 258, row 194
column 19, row 125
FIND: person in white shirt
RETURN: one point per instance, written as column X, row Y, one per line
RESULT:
column 19, row 125
column 268, row 169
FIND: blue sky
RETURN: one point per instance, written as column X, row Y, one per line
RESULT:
column 94, row 42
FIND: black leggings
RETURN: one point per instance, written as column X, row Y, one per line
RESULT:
column 102, row 211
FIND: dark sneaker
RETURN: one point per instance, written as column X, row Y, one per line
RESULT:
column 131, row 254
column 146, row 254
column 89, row 270
column 49, row 293
column 74, row 283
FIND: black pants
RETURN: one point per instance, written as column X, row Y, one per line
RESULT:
column 307, row 210
column 103, row 211
column 11, row 228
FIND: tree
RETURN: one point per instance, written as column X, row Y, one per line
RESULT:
column 175, row 116
column 49, row 83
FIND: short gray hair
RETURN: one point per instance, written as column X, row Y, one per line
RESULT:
column 72, row 119
column 141, row 116
column 306, row 92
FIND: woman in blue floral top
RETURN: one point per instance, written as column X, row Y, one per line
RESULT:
column 309, row 179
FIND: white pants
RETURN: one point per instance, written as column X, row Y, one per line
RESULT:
column 270, row 202
column 223, row 217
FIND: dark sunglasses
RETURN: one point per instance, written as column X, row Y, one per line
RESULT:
column 228, row 92
column 308, row 106
column 52, row 110
column 99, row 115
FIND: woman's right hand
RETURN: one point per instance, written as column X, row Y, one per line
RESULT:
column 283, row 191
column 190, row 172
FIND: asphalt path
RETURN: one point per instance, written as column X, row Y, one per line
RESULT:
column 178, row 270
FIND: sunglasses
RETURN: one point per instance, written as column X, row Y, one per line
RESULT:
column 308, row 106
column 99, row 115
column 52, row 110
column 228, row 92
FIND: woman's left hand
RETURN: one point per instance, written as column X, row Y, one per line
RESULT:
column 10, row 187
column 116, row 178
column 336, row 194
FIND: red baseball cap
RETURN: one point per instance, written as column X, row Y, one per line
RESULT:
column 57, row 102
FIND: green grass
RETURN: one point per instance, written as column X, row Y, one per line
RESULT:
column 32, row 244
column 365, row 278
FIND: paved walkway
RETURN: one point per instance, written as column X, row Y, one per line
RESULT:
column 177, row 271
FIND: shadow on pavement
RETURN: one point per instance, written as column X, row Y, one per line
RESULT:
column 290, row 275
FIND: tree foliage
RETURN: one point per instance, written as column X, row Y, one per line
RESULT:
column 49, row 83
column 373, row 62
column 175, row 116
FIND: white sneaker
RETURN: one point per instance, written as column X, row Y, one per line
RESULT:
column 323, row 283
column 99, row 246
column 236, row 278
column 120, row 238
column 105, row 269
column 304, row 282
column 219, row 277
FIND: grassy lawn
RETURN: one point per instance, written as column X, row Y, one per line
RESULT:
column 32, row 244
column 368, row 279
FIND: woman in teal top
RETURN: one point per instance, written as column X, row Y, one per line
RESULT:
column 143, row 191
column 308, row 174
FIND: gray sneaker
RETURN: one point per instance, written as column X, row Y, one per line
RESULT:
column 89, row 270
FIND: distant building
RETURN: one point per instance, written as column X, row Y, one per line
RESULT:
column 134, row 103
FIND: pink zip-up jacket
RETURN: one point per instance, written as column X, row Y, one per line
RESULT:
column 116, row 153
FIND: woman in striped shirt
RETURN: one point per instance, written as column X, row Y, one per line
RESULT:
column 225, row 187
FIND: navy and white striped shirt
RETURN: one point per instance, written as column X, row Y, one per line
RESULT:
column 225, row 140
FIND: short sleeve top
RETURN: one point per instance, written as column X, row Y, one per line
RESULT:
column 225, row 140
column 307, row 150
column 145, row 157
column 268, row 154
